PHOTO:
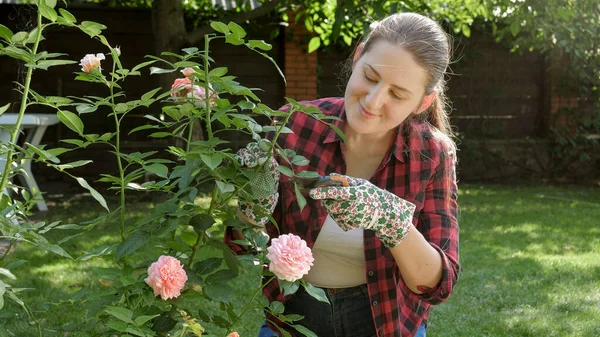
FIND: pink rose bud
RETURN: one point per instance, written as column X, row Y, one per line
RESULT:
column 166, row 277
column 90, row 62
column 188, row 72
column 180, row 89
column 233, row 334
column 290, row 257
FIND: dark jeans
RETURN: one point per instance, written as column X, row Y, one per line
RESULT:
column 349, row 314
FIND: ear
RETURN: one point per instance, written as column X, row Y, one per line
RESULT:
column 357, row 53
column 426, row 102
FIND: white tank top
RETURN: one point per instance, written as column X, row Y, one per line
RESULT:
column 339, row 258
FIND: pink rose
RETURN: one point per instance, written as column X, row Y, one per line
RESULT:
column 182, row 90
column 166, row 277
column 233, row 334
column 290, row 257
column 188, row 72
column 90, row 62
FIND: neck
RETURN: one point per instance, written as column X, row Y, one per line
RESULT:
column 369, row 144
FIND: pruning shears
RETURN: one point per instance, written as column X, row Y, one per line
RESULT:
column 306, row 184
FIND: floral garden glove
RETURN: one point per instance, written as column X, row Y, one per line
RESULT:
column 364, row 205
column 265, row 186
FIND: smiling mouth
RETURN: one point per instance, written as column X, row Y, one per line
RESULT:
column 366, row 112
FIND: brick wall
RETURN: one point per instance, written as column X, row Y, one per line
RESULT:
column 300, row 67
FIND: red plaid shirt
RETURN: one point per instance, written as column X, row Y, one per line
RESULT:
column 419, row 168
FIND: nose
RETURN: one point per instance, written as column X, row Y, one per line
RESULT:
column 375, row 98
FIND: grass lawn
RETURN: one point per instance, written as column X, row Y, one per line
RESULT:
column 530, row 258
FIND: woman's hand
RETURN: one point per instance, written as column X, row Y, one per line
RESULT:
column 264, row 186
column 364, row 205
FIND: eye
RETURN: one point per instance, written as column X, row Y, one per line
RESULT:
column 369, row 79
column 396, row 96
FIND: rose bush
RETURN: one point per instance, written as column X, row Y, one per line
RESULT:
column 194, row 287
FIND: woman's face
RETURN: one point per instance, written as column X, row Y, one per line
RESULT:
column 385, row 87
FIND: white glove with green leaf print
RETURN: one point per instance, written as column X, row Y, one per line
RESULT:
column 265, row 186
column 364, row 205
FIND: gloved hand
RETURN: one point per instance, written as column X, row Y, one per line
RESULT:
column 364, row 205
column 265, row 186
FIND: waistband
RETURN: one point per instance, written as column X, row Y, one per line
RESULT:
column 360, row 290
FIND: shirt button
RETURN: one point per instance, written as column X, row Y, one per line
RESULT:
column 371, row 273
column 375, row 303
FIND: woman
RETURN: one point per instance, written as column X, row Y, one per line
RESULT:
column 385, row 248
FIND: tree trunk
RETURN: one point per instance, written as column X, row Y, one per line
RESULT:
column 168, row 27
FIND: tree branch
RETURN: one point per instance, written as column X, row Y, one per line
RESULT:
column 197, row 35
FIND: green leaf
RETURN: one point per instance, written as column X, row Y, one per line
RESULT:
column 164, row 323
column 339, row 132
column 515, row 27
column 190, row 50
column 3, row 109
column 301, row 199
column 7, row 273
column 54, row 249
column 289, row 287
column 17, row 53
column 277, row 307
column 142, row 65
column 94, row 193
column 150, row 94
column 6, row 33
column 218, row 72
column 131, row 244
column 300, row 161
column 77, row 163
column 48, row 12
column 219, row 292
column 202, row 222
column 50, row 3
column 158, row 169
column 305, row 331
column 45, row 64
column 234, row 40
column 259, row 44
column 20, row 37
column 225, row 187
column 45, row 155
column 207, row 266
column 141, row 320
column 71, row 120
column 314, row 44
column 143, row 127
column 117, row 325
column 67, row 16
column 219, row 27
column 315, row 292
column 466, row 30
column 122, row 314
column 237, row 30
column 221, row 276
column 160, row 134
column 286, row 170
column 212, row 161
column 156, row 70
column 91, row 28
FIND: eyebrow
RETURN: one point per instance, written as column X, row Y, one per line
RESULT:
column 393, row 85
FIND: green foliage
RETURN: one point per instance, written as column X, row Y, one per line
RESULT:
column 177, row 226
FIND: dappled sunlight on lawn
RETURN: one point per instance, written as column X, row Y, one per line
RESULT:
column 531, row 264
